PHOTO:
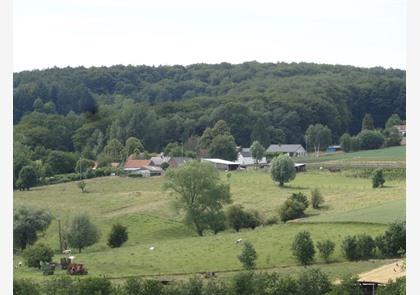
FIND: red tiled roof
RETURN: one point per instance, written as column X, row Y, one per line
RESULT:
column 136, row 163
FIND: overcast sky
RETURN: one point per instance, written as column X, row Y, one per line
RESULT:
column 63, row 33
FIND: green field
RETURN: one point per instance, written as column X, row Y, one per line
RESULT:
column 152, row 220
column 391, row 154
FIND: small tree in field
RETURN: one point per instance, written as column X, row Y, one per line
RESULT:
column 282, row 169
column 326, row 248
column 82, row 185
column 82, row 232
column 294, row 207
column 118, row 236
column 378, row 179
column 248, row 256
column 35, row 254
column 316, row 198
column 257, row 151
column 27, row 177
column 303, row 248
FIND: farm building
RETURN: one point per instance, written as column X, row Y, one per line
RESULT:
column 333, row 148
column 245, row 158
column 222, row 164
column 293, row 150
column 401, row 129
column 159, row 160
column 178, row 161
column 300, row 167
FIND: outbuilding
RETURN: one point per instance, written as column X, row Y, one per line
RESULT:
column 221, row 164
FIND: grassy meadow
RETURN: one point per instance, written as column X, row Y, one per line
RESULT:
column 351, row 207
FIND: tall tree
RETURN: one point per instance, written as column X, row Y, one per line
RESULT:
column 282, row 169
column 318, row 136
column 368, row 123
column 257, row 151
column 82, row 232
column 393, row 120
column 261, row 133
column 223, row 147
column 199, row 191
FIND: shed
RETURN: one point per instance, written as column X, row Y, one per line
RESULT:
column 178, row 161
column 300, row 167
column 333, row 148
column 245, row 158
column 222, row 164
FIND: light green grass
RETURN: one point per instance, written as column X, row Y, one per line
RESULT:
column 382, row 213
column 148, row 212
column 390, row 154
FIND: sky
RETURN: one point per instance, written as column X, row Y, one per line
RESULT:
column 62, row 33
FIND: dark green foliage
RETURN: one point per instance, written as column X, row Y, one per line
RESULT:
column 243, row 283
column 223, row 147
column 260, row 133
column 303, row 248
column 117, row 236
column 199, row 191
column 248, row 256
column 392, row 137
column 370, row 140
column 313, row 281
column 378, row 179
column 359, row 247
column 393, row 288
column 94, row 285
column 83, row 165
column 393, row 120
column 318, row 137
column 349, row 285
column 316, row 198
column 62, row 285
column 115, row 150
column 61, row 162
column 82, row 232
column 345, row 142
column 133, row 145
column 325, row 248
column 393, row 242
column 194, row 286
column 355, row 144
column 368, row 123
column 282, row 169
column 37, row 253
column 293, row 207
column 27, row 177
column 132, row 286
column 25, row 287
column 238, row 218
column 27, row 222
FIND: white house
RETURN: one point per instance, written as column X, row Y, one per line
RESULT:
column 293, row 150
column 221, row 164
column 245, row 158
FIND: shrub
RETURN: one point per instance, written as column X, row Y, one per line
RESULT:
column 365, row 246
column 164, row 165
column 35, row 254
column 349, row 285
column 238, row 218
column 349, row 247
column 27, row 177
column 117, row 236
column 62, row 285
column 194, row 286
column 284, row 285
column 313, row 281
column 95, row 285
column 370, row 139
column 393, row 242
column 152, row 287
column 326, row 248
column 282, row 169
column 316, row 198
column 243, row 284
column 378, row 179
column 25, row 287
column 82, row 186
column 393, row 288
column 355, row 144
column 248, row 256
column 303, row 248
column 345, row 142
column 294, row 207
column 271, row 220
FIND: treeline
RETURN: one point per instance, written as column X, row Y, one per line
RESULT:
column 310, row 281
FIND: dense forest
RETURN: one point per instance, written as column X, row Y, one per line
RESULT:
column 76, row 109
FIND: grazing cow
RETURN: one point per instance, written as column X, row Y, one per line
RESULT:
column 238, row 241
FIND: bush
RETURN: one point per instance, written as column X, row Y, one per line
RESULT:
column 355, row 144
column 378, row 179
column 25, row 287
column 238, row 218
column 370, row 139
column 248, row 256
column 118, row 236
column 326, row 248
column 303, row 248
column 316, row 198
column 294, row 207
column 194, row 286
column 358, row 247
column 27, row 177
column 349, row 286
column 345, row 142
column 95, row 285
column 243, row 284
column 313, row 281
column 393, row 241
column 393, row 288
column 282, row 169
column 62, row 285
column 35, row 254
column 271, row 220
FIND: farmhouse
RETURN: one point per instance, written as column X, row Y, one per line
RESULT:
column 178, row 161
column 293, row 150
column 222, row 164
column 141, row 167
column 245, row 158
column 401, row 129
